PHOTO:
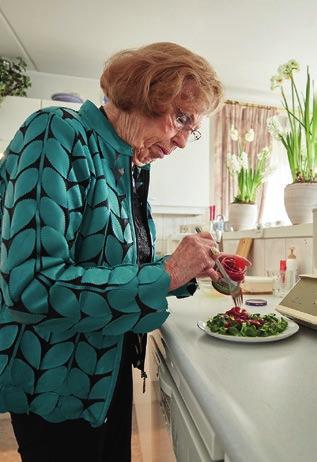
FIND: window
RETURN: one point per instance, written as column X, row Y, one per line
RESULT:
column 274, row 211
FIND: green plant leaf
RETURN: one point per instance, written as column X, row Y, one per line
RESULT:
column 13, row 77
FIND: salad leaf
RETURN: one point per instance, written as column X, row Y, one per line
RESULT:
column 239, row 322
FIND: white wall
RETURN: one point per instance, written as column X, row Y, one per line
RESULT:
column 45, row 85
column 268, row 97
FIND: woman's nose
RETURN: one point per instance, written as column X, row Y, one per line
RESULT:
column 181, row 138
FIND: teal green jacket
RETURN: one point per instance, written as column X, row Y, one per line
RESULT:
column 70, row 286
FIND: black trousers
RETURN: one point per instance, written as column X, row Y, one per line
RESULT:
column 76, row 440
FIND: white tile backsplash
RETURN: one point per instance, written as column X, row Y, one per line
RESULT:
column 167, row 226
column 274, row 251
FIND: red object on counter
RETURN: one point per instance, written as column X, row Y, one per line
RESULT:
column 282, row 265
column 212, row 212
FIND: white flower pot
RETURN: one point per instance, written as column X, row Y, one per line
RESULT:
column 299, row 200
column 242, row 216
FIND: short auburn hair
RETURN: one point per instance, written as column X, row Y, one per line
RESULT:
column 151, row 78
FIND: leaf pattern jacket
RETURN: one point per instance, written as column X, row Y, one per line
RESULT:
column 70, row 285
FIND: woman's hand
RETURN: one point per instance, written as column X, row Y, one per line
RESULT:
column 192, row 258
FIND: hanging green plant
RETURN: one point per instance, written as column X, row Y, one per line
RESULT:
column 13, row 78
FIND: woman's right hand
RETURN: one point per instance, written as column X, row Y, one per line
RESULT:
column 192, row 258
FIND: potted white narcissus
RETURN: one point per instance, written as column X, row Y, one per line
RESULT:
column 248, row 176
column 299, row 138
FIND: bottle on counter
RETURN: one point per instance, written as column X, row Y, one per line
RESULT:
column 282, row 289
column 291, row 269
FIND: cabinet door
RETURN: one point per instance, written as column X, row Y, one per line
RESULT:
column 50, row 102
column 187, row 443
column 182, row 179
column 13, row 112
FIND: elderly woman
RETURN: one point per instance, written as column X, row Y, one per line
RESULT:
column 80, row 282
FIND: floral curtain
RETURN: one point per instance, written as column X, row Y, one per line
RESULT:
column 242, row 117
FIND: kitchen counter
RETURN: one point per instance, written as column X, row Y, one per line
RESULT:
column 260, row 399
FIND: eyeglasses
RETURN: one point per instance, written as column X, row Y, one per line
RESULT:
column 182, row 122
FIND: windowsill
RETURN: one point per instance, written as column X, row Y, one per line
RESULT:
column 304, row 230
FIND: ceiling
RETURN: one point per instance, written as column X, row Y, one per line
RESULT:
column 245, row 40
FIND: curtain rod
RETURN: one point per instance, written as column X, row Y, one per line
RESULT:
column 263, row 106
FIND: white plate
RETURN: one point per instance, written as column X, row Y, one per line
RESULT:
column 291, row 329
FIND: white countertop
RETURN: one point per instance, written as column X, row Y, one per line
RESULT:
column 261, row 399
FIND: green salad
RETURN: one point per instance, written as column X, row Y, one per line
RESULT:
column 238, row 322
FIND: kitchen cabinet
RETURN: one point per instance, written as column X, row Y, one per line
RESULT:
column 259, row 399
column 166, row 423
column 180, row 182
column 15, row 109
column 150, row 412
